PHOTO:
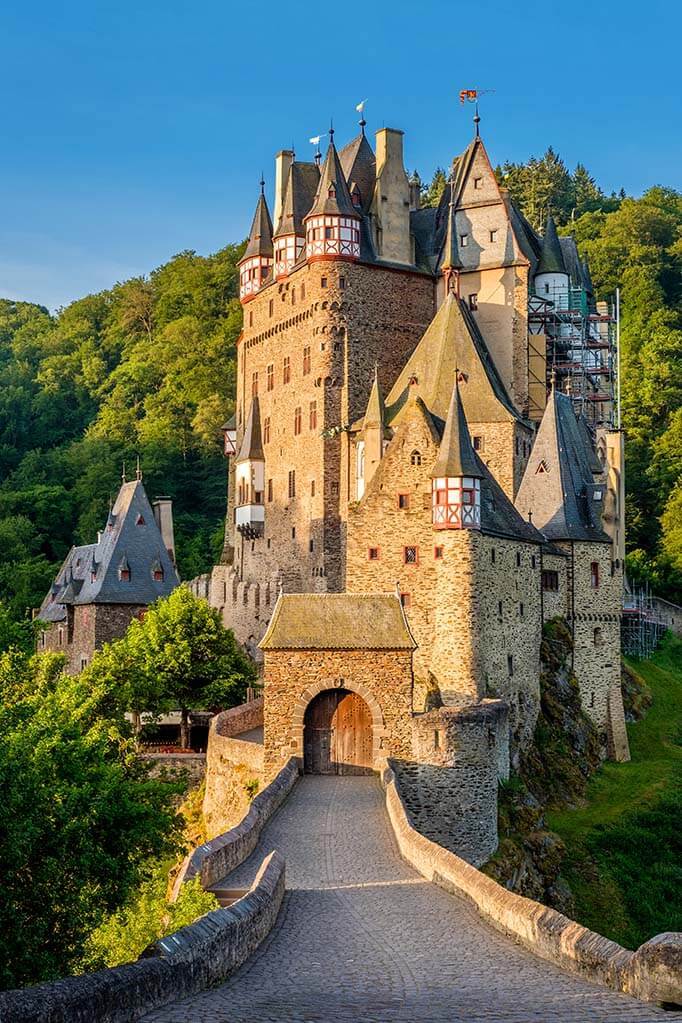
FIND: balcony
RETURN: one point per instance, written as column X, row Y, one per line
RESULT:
column 250, row 520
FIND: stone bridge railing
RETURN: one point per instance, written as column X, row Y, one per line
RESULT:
column 653, row 973
column 192, row 959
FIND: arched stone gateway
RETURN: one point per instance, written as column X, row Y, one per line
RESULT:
column 337, row 734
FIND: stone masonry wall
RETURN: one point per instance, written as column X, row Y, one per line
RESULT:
column 382, row 677
column 86, row 629
column 450, row 786
column 555, row 602
column 595, row 619
column 234, row 767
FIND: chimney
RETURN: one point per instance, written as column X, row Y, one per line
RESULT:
column 283, row 162
column 391, row 206
column 415, row 192
column 163, row 515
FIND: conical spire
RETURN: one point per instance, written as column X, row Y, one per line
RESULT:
column 451, row 260
column 551, row 257
column 332, row 197
column 252, row 444
column 260, row 236
column 376, row 413
column 301, row 188
column 358, row 163
column 456, row 456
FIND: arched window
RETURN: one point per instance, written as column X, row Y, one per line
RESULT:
column 416, row 458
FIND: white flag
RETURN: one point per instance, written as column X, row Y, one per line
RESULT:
column 315, row 140
column 361, row 106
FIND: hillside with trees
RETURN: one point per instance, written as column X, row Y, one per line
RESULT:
column 148, row 368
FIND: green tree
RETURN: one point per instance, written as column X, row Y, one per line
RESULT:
column 178, row 655
column 431, row 193
column 81, row 816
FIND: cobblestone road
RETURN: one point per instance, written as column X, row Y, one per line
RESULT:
column 362, row 938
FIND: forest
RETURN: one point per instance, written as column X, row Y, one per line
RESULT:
column 147, row 369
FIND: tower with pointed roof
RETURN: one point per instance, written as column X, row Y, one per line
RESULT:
column 332, row 225
column 551, row 277
column 255, row 266
column 102, row 586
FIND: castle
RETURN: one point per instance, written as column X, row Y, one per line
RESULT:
column 411, row 491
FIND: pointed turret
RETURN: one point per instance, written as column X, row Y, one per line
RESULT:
column 456, row 475
column 289, row 238
column 333, row 223
column 551, row 257
column 255, row 266
column 250, row 478
column 451, row 264
column 360, row 169
column 558, row 488
column 371, row 447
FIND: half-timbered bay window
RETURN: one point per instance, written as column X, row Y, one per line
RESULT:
column 287, row 250
column 456, row 502
column 333, row 236
column 253, row 274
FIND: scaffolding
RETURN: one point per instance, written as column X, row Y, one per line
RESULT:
column 642, row 624
column 580, row 352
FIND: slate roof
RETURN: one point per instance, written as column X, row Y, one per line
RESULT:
column 456, row 455
column 339, row 203
column 551, row 257
column 558, row 486
column 299, row 195
column 453, row 340
column 360, row 167
column 376, row 410
column 131, row 537
column 251, row 447
column 338, row 621
column 260, row 236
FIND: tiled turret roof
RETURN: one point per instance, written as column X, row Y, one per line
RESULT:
column 260, row 236
column 332, row 196
column 551, row 257
column 456, row 455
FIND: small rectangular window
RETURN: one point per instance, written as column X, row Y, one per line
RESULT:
column 493, row 235
column 405, row 599
column 302, row 291
column 594, row 575
column 550, row 580
column 521, row 610
column 293, row 532
column 312, row 422
column 292, row 483
column 478, row 444
column 518, row 559
column 436, row 739
column 250, row 319
column 254, row 385
column 532, row 561
column 492, row 556
column 403, row 501
column 297, row 420
column 437, row 552
column 464, row 240
column 499, row 608
column 312, row 488
column 286, row 370
column 266, row 430
column 478, row 183
column 271, row 307
column 323, row 282
column 473, row 303
column 270, row 373
column 510, row 664
column 373, row 554
column 410, row 555
column 306, row 360
column 311, row 546
column 342, row 283
column 269, row 490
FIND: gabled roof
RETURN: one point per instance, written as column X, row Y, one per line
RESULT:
column 251, row 448
column 551, row 257
column 260, row 236
column 453, row 340
column 456, row 455
column 359, row 165
column 558, row 488
column 131, row 538
column 299, row 195
column 332, row 196
column 450, row 255
column 376, row 410
column 338, row 621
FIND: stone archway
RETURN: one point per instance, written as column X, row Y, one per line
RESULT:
column 337, row 734
column 376, row 728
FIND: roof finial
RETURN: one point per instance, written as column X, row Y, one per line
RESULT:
column 552, row 376
column 477, row 121
column 123, row 472
column 138, row 470
column 361, row 110
column 331, row 131
column 262, row 183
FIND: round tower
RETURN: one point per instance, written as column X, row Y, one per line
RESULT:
column 255, row 266
column 456, row 476
column 333, row 224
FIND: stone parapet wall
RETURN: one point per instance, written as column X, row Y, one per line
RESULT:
column 189, row 961
column 214, row 860
column 671, row 614
column 233, row 766
column 653, row 973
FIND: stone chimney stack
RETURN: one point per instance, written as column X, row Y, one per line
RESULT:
column 283, row 162
column 415, row 192
column 391, row 205
column 163, row 514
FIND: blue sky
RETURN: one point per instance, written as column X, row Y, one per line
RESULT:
column 132, row 131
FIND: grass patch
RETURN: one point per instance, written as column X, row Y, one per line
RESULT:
column 623, row 847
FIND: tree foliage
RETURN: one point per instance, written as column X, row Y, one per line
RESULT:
column 80, row 820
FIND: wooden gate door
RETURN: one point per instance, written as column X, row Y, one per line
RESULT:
column 338, row 734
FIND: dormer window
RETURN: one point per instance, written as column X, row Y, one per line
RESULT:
column 158, row 575
column 542, row 468
column 139, row 521
column 416, row 458
column 124, row 575
column 331, row 191
column 478, row 183
column 464, row 240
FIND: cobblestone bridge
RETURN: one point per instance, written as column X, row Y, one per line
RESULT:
column 362, row 938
